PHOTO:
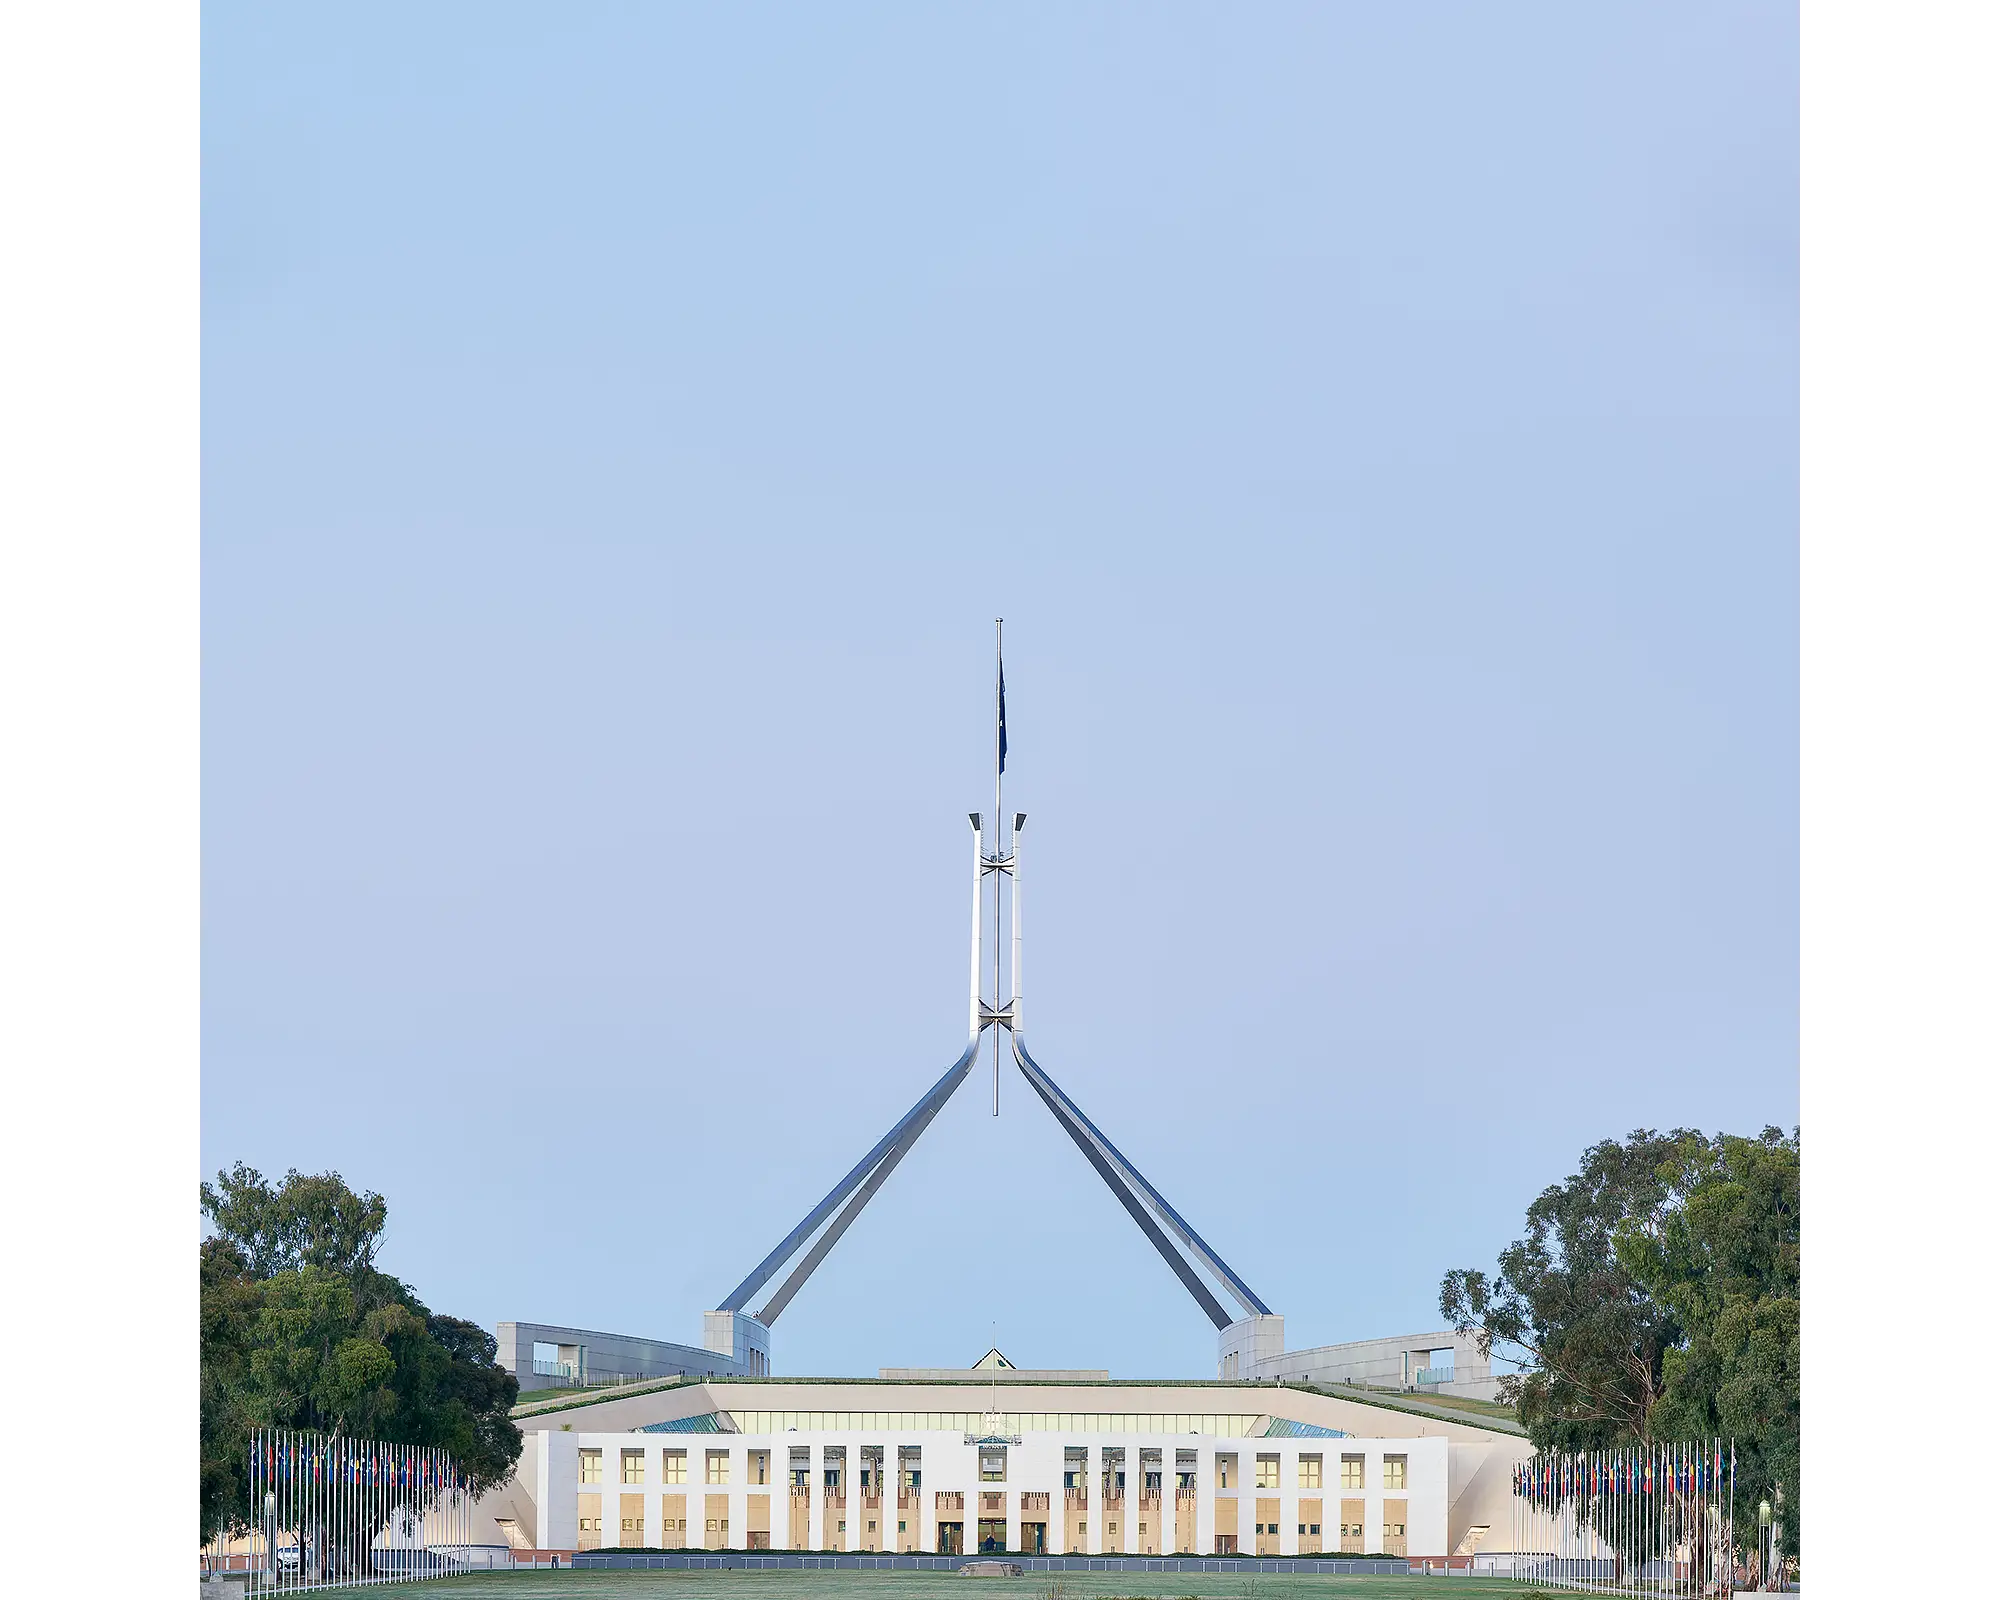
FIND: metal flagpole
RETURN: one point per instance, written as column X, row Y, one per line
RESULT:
column 1597, row 1504
column 1646, row 1509
column 978, row 918
column 1673, row 1515
column 999, row 832
column 1732, row 1510
column 1653, row 1510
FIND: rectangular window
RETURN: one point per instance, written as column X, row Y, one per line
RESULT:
column 1225, row 1472
column 1309, row 1472
column 674, row 1466
column 1395, row 1472
column 632, row 1466
column 902, row 1527
column 1267, row 1472
column 843, row 1525
column 1315, row 1530
column 590, row 1466
column 1350, row 1472
column 718, row 1466
column 711, row 1524
column 1142, row 1530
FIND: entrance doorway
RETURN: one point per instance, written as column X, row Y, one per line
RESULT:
column 1035, row 1538
column 992, row 1535
column 951, row 1538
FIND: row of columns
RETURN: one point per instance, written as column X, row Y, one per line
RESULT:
column 923, row 1516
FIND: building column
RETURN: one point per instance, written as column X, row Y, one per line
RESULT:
column 1371, row 1509
column 815, row 1497
column 1095, row 1477
column 855, row 1513
column 655, row 1495
column 739, row 1499
column 1204, row 1516
column 1288, row 1500
column 1128, row 1517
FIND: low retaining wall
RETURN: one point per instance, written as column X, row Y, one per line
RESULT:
column 1316, row 1566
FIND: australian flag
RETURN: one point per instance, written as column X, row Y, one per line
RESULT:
column 1002, row 666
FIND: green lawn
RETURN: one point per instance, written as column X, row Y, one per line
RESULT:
column 1459, row 1402
column 571, row 1585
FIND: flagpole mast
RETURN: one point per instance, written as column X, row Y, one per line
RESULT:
column 999, row 836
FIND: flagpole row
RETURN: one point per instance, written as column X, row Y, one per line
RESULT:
column 1655, row 1518
column 318, row 1504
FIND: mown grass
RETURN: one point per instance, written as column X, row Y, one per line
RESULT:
column 567, row 1584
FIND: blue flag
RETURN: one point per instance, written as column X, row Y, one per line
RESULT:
column 1003, row 712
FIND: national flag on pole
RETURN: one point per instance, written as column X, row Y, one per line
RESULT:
column 1000, row 749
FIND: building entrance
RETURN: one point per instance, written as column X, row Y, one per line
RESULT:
column 951, row 1538
column 992, row 1535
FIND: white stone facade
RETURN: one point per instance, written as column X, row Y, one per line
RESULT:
column 950, row 1466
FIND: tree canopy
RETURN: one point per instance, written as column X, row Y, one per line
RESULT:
column 1655, row 1295
column 299, row 1330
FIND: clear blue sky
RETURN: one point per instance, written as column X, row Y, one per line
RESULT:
column 1378, row 426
